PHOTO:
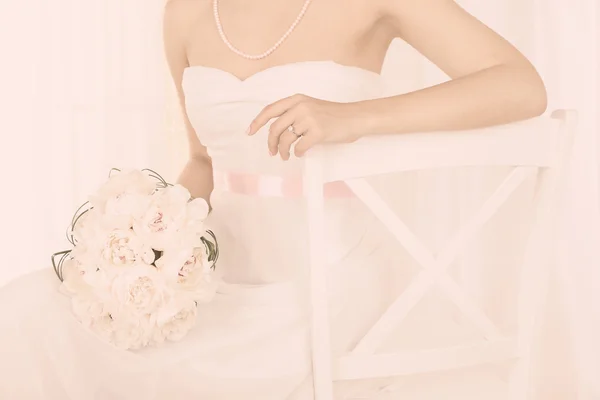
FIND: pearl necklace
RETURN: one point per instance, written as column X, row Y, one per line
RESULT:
column 269, row 51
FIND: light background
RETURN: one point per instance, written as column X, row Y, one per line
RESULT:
column 84, row 88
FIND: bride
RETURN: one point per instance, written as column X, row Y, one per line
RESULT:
column 261, row 82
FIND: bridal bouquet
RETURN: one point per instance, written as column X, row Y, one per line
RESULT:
column 141, row 261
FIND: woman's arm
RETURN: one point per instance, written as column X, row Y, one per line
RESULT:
column 197, row 174
column 492, row 82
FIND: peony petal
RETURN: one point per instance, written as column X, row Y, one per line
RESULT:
column 197, row 209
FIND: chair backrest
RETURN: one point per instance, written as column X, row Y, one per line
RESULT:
column 538, row 146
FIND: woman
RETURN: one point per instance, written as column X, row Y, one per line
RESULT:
column 251, row 112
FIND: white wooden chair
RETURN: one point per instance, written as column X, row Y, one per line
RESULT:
column 538, row 146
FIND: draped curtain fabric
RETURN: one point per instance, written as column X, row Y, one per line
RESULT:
column 85, row 88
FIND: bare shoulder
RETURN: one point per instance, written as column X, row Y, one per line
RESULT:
column 179, row 17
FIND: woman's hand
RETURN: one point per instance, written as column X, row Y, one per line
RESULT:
column 313, row 121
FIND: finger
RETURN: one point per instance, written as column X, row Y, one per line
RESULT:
column 285, row 144
column 288, row 138
column 305, row 144
column 273, row 110
column 277, row 129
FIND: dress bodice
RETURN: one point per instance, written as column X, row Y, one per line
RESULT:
column 220, row 106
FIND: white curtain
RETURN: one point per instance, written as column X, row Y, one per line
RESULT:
column 85, row 88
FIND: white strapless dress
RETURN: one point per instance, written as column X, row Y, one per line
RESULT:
column 252, row 342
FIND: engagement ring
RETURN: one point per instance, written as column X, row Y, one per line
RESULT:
column 292, row 130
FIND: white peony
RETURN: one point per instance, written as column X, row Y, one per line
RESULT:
column 197, row 210
column 171, row 261
column 171, row 219
column 121, row 211
column 121, row 184
column 83, row 280
column 133, row 333
column 195, row 277
column 104, row 327
column 116, row 248
column 88, row 310
column 138, row 290
column 94, row 315
column 124, row 248
column 190, row 272
column 73, row 282
column 177, row 325
column 118, row 287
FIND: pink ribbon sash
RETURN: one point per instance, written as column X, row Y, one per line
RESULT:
column 271, row 185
